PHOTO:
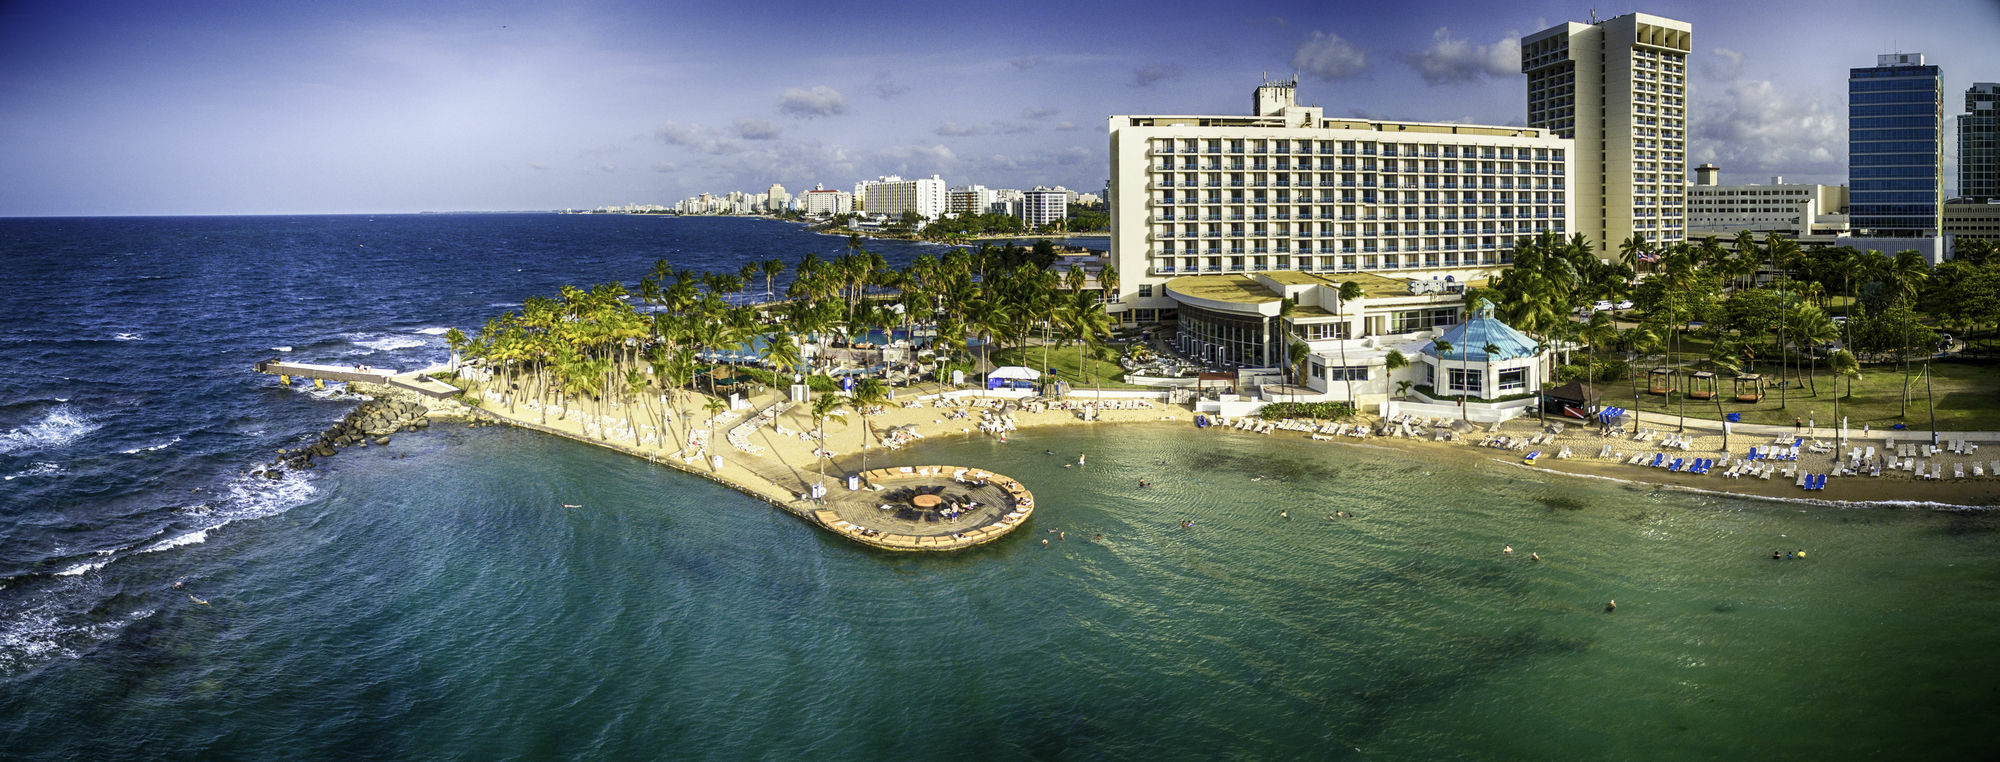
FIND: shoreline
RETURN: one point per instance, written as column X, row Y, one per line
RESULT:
column 784, row 457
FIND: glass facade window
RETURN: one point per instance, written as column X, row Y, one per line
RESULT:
column 1513, row 379
column 1464, row 380
column 1895, row 139
column 1408, row 321
column 1222, row 339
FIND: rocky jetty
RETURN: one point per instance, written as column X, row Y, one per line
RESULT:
column 374, row 422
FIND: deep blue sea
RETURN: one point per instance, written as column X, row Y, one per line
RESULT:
column 433, row 600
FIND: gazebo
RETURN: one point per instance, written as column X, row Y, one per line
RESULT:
column 1661, row 382
column 1749, row 388
column 1470, row 369
column 1701, row 385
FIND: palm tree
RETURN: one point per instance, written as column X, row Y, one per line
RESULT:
column 826, row 406
column 1725, row 362
column 1391, row 362
column 771, row 268
column 1298, row 353
column 1349, row 291
column 1444, row 353
column 1641, row 339
column 1490, row 349
column 783, row 356
column 870, row 392
column 1842, row 364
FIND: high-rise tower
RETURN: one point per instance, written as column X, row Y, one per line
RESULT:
column 1895, row 147
column 1619, row 88
column 1979, row 143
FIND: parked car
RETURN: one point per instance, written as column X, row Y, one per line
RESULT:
column 1624, row 304
column 1600, row 305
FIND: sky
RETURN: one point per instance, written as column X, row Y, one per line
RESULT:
column 377, row 107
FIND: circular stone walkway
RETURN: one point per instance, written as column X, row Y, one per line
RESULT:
column 927, row 508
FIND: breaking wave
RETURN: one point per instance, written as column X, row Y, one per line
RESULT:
column 60, row 426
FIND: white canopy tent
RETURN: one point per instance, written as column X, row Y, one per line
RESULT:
column 1015, row 372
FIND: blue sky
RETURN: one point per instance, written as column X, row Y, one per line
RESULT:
column 234, row 108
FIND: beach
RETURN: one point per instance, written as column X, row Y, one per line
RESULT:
column 780, row 467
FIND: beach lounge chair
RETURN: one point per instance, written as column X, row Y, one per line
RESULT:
column 1820, row 482
column 1676, row 467
column 1530, row 458
column 1958, row 470
column 1657, row 458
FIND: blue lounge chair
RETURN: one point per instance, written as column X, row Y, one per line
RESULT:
column 1700, row 466
column 1820, row 482
column 1657, row 457
column 1677, row 464
column 1752, row 455
column 1530, row 458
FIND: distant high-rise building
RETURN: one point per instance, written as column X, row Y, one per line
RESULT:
column 1979, row 143
column 1042, row 206
column 967, row 200
column 820, row 201
column 1895, row 147
column 893, row 195
column 1619, row 89
column 776, row 199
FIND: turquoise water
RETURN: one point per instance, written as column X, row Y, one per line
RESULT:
column 433, row 600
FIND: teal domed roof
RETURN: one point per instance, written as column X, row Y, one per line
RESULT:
column 1468, row 340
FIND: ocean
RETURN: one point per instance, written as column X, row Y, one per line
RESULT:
column 433, row 599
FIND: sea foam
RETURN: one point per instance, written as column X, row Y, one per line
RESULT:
column 60, row 426
column 160, row 446
column 433, row 331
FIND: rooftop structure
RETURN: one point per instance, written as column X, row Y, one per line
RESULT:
column 1619, row 88
column 1290, row 189
column 1895, row 147
column 1725, row 210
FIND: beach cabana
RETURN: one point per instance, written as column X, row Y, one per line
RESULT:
column 1574, row 399
column 1701, row 385
column 1662, row 381
column 1012, row 377
column 1750, row 388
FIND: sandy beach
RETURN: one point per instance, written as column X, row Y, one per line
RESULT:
column 780, row 466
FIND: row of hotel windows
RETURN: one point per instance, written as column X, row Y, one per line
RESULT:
column 1469, row 380
column 1492, row 254
column 1407, row 166
column 1348, row 148
column 1349, row 230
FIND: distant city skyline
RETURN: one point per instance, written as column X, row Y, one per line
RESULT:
column 225, row 108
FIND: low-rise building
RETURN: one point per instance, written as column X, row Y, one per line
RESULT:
column 1720, row 210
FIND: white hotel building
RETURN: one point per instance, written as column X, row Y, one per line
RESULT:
column 1289, row 189
column 1619, row 88
column 1216, row 220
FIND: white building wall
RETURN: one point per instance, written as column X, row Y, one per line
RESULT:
column 1290, row 190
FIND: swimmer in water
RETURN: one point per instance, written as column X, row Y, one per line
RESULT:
column 571, row 505
column 1508, row 549
column 1045, row 543
column 1285, row 515
column 177, row 583
column 197, row 600
column 1610, row 606
column 1534, row 556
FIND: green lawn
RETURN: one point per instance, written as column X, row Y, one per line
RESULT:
column 1068, row 362
column 1967, row 395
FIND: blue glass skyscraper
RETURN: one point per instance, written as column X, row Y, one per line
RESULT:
column 1895, row 147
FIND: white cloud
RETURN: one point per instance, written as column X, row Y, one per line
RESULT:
column 1013, row 128
column 1153, row 74
column 1326, row 56
column 1754, row 129
column 696, row 137
column 665, row 166
column 886, row 88
column 916, row 160
column 1065, row 126
column 1039, row 112
column 1449, row 60
column 1726, row 64
column 956, row 130
column 816, row 102
column 755, row 129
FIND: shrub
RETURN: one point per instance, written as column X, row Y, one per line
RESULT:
column 1315, row 410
